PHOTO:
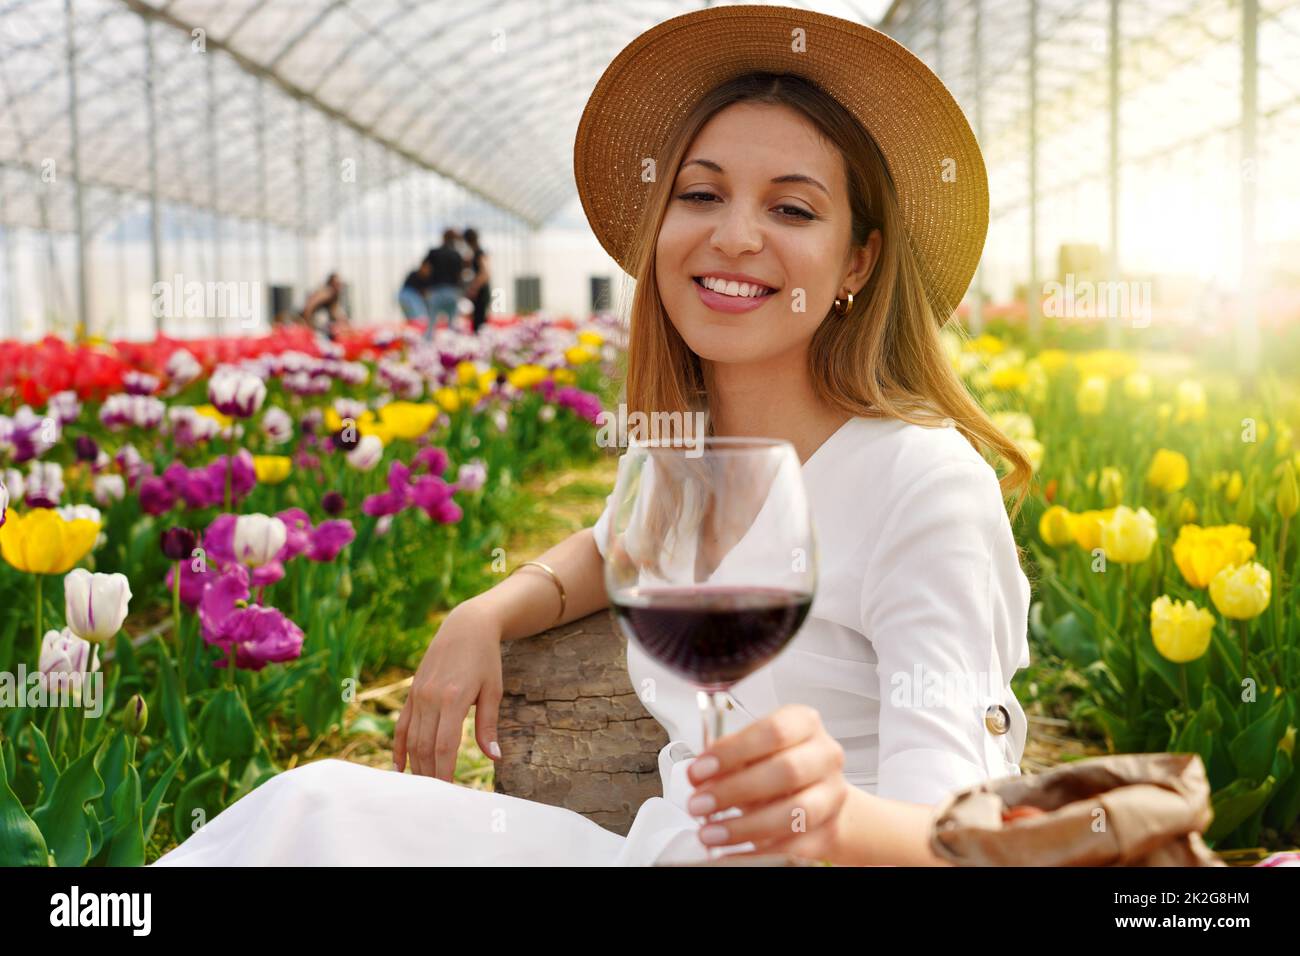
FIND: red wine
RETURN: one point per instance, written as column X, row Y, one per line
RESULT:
column 712, row 636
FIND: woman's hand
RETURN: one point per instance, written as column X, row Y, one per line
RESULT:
column 461, row 667
column 784, row 772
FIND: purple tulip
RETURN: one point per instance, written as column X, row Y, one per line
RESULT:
column 260, row 635
column 298, row 537
column 193, row 583
column 155, row 497
column 178, row 543
column 235, row 392
column 329, row 538
column 87, row 448
column 333, row 503
column 434, row 459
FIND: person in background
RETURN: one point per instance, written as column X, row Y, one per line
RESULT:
column 328, row 298
column 478, row 291
column 412, row 297
column 444, row 291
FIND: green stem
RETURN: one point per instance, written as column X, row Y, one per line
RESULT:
column 1187, row 698
column 40, row 634
column 176, row 621
column 230, row 668
column 1244, row 634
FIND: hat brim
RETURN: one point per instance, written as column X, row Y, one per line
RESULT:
column 928, row 145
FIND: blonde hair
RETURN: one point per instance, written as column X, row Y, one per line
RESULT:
column 884, row 359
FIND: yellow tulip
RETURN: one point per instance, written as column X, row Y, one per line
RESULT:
column 43, row 542
column 1009, row 379
column 1187, row 511
column 1091, row 397
column 1053, row 360
column 1169, row 470
column 1189, row 400
column 448, row 398
column 564, row 376
column 1128, row 535
column 987, row 344
column 579, row 355
column 1107, row 363
column 1086, row 526
column 1179, row 629
column 1112, row 486
column 1015, row 425
column 272, row 469
column 1288, row 495
column 210, row 411
column 1054, row 526
column 408, row 420
column 1137, row 386
column 1201, row 553
column 466, row 372
column 1232, row 490
column 1242, row 592
column 525, row 376
column 593, row 339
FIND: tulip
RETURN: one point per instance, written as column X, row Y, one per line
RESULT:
column 1232, row 490
column 1288, row 494
column 1128, row 536
column 1169, row 471
column 109, row 488
column 328, row 539
column 1241, row 592
column 182, row 368
column 44, row 541
column 277, row 425
column 258, row 635
column 258, row 539
column 471, row 476
column 1187, row 511
column 1190, row 402
column 66, row 661
column 178, row 543
column 367, row 453
column 1054, row 526
column 44, row 484
column 333, row 503
column 135, row 715
column 408, row 420
column 1201, row 553
column 95, row 605
column 1091, row 397
column 1137, row 386
column 87, row 449
column 235, row 392
column 272, row 469
column 1111, row 486
column 1180, row 630
column 1086, row 527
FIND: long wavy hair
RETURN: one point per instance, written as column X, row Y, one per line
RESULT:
column 884, row 358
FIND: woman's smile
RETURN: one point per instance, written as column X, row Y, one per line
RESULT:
column 731, row 296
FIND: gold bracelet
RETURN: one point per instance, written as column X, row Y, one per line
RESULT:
column 554, row 577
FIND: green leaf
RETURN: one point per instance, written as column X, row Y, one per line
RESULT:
column 63, row 818
column 1254, row 748
column 199, row 801
column 1235, row 804
column 173, row 707
column 127, row 848
column 319, row 702
column 21, row 843
column 151, row 806
column 225, row 727
column 49, row 767
column 1072, row 640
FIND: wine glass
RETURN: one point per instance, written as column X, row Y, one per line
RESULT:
column 710, row 563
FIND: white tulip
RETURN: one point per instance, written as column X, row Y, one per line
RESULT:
column 109, row 488
column 367, row 453
column 258, row 539
column 95, row 604
column 66, row 660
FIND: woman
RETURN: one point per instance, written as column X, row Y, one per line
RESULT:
column 772, row 188
column 479, row 290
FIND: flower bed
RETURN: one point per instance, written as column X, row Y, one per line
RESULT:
column 1163, row 561
column 207, row 546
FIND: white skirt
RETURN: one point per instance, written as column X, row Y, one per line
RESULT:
column 335, row 813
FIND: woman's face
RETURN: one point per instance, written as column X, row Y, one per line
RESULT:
column 760, row 194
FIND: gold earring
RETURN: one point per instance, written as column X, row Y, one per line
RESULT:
column 846, row 307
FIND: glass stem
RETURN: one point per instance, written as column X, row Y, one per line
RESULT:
column 711, row 714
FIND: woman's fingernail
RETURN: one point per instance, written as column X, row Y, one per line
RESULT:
column 713, row 833
column 494, row 750
column 704, row 767
column 701, row 804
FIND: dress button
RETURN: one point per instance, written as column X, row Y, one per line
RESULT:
column 997, row 719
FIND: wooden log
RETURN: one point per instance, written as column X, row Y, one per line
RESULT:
column 572, row 730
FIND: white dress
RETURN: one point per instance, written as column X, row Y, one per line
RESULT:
column 918, row 623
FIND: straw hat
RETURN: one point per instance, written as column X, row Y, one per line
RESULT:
column 657, row 78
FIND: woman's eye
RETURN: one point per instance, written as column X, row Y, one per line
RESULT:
column 790, row 212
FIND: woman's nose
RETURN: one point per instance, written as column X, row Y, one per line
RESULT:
column 737, row 231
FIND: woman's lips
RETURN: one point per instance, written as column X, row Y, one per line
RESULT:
column 730, row 304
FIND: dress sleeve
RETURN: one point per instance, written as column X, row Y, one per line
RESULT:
column 601, row 528
column 945, row 606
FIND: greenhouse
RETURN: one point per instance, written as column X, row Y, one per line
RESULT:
column 514, row 407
